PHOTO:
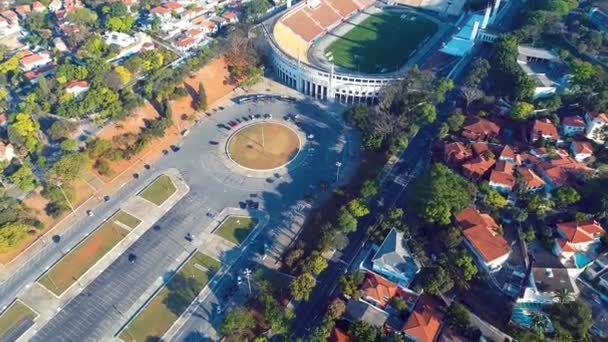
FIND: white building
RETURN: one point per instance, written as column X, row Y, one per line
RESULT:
column 545, row 67
column 596, row 122
column 7, row 152
column 35, row 61
column 128, row 45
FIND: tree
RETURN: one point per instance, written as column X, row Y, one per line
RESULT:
column 69, row 145
column 522, row 111
column 435, row 280
column 495, row 199
column 539, row 204
column 336, row 308
column 566, row 196
column 455, row 121
column 458, row 317
column 23, row 178
column 438, row 193
column 363, row 331
column 358, row 207
column 470, row 95
column 358, row 115
column 574, row 316
column 202, row 97
column 315, row 264
column 466, row 265
column 61, row 129
column 349, row 284
column 237, row 322
column 451, row 237
column 82, row 16
column 583, row 73
column 24, row 130
column 399, row 304
column 346, row 222
column 302, row 286
column 69, row 167
column 564, row 296
column 11, row 234
column 372, row 140
column 369, row 188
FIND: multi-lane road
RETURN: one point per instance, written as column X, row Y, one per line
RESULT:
column 98, row 312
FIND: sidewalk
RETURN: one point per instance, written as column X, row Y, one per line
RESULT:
column 48, row 304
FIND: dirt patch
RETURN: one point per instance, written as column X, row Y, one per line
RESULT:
column 131, row 124
column 37, row 203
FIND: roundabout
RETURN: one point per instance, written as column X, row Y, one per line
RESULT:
column 263, row 146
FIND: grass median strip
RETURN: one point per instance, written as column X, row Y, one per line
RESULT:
column 77, row 262
column 172, row 300
column 236, row 228
column 15, row 320
column 159, row 191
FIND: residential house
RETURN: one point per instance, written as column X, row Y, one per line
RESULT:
column 128, row 45
column 37, row 6
column 530, row 180
column 55, row 5
column 456, row 153
column 183, row 45
column 35, row 61
column 60, row 44
column 230, row 17
column 76, row 88
column 507, row 154
column 502, row 178
column 544, row 128
column 545, row 283
column 424, row 323
column 483, row 238
column 161, row 13
column 378, row 290
column 394, row 260
column 358, row 310
column 478, row 167
column 338, row 335
column 599, row 265
column 174, row 7
column 596, row 121
column 9, row 15
column 32, row 75
column 573, row 125
column 23, row 10
column 479, row 129
column 71, row 5
column 7, row 152
column 3, row 120
column 208, row 26
column 576, row 237
column 581, row 150
column 195, row 34
column 545, row 68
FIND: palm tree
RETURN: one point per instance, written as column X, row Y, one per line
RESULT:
column 564, row 296
column 539, row 323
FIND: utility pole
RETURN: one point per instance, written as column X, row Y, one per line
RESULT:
column 247, row 273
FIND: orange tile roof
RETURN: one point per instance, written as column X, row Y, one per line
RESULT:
column 193, row 32
column 23, row 9
column 558, row 176
column 478, row 166
column 507, row 153
column 544, row 127
column 530, row 178
column 338, row 335
column 10, row 15
column 185, row 42
column 504, row 166
column 456, row 152
column 229, row 15
column 471, row 217
column 582, row 147
column 172, row 5
column 602, row 116
column 424, row 322
column 581, row 232
column 478, row 128
column 565, row 245
column 379, row 288
column 75, row 83
column 31, row 59
column 502, row 178
column 574, row 121
column 488, row 243
column 160, row 10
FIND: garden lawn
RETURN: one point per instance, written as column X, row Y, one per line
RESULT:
column 17, row 317
column 74, row 264
column 382, row 42
column 172, row 300
column 236, row 228
column 159, row 191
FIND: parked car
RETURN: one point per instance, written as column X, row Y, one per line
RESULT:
column 257, row 116
column 132, row 258
column 185, row 132
column 213, row 142
column 89, row 213
column 233, row 123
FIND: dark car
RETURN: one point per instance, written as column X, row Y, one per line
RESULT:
column 239, row 120
column 233, row 123
column 245, row 118
column 251, row 117
column 136, row 175
column 267, row 116
column 106, row 198
column 221, row 108
column 212, row 142
column 146, row 166
column 188, row 237
column 257, row 116
column 165, row 152
column 132, row 258
column 174, row 148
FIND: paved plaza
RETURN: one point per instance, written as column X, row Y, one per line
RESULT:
column 105, row 304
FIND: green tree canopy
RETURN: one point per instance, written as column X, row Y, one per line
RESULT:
column 302, row 286
column 237, row 322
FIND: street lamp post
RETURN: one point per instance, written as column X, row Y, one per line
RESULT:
column 247, row 273
column 338, row 164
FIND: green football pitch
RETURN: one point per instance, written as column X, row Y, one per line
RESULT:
column 382, row 42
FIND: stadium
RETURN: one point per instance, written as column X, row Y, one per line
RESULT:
column 348, row 50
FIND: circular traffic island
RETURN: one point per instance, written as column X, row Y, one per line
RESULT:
column 263, row 146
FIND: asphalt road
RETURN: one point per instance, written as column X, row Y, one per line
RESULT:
column 98, row 311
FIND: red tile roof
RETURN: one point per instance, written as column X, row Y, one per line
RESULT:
column 424, row 322
column 573, row 121
column 477, row 128
column 10, row 15
column 600, row 115
column 337, row 335
column 478, row 166
column 456, row 153
column 503, row 174
column 21, row 9
column 507, row 153
column 229, row 15
column 172, row 5
column 482, row 233
column 530, row 179
column 582, row 147
column 185, row 42
column 565, row 245
column 581, row 232
column 74, row 84
column 378, row 288
column 160, row 10
column 471, row 217
column 545, row 128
